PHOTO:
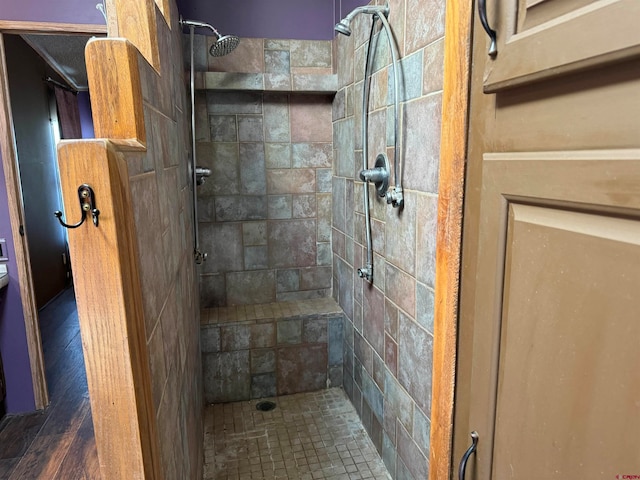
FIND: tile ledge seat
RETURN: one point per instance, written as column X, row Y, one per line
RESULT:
column 269, row 311
column 264, row 82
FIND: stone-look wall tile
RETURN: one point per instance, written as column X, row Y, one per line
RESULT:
column 310, row 53
column 389, row 454
column 339, row 202
column 147, row 219
column 213, row 290
column 339, row 105
column 291, row 243
column 233, row 81
column 401, row 234
column 377, row 135
column 276, row 44
column 314, row 330
column 223, row 128
column 246, row 288
column 380, row 87
column 316, row 71
column 210, row 339
column 301, row 369
column 235, row 337
column 303, row 295
column 256, row 258
column 233, row 103
column 288, row 280
column 323, row 256
column 397, row 20
column 312, row 155
column 391, row 354
column 422, row 431
column 250, row 128
column 425, row 304
column 157, row 364
column 426, row 241
column 425, row 24
column 374, row 319
column 276, row 118
column 411, row 455
column 310, row 118
column 277, row 61
column 312, row 278
column 227, row 376
column 299, row 180
column 304, row 206
column 253, row 179
column 323, row 180
column 226, row 238
column 345, row 60
column 289, row 331
column 278, row 155
column 344, row 146
column 398, row 406
column 314, row 82
column 246, row 58
column 222, row 159
column 202, row 118
column 335, row 333
column 401, row 289
column 391, row 319
column 254, row 233
column 280, row 207
column 345, row 278
column 323, row 205
column 433, row 74
column 414, row 346
column 263, row 360
column 263, row 385
column 278, row 82
column 241, row 208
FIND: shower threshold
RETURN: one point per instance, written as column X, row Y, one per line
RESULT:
column 307, row 436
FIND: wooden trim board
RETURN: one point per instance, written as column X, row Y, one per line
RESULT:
column 9, row 26
column 453, row 146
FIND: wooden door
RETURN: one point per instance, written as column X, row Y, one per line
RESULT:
column 548, row 367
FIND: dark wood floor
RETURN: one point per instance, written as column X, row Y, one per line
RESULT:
column 57, row 443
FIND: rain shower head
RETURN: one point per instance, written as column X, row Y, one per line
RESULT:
column 222, row 46
column 344, row 26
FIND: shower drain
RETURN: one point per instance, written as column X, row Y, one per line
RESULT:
column 265, row 406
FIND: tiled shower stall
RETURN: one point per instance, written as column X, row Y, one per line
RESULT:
column 279, row 124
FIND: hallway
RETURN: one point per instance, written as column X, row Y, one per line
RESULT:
column 57, row 443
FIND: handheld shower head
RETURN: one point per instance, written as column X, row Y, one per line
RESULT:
column 222, row 46
column 344, row 26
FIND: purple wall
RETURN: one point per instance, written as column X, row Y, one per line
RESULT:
column 60, row 11
column 295, row 19
column 86, row 119
column 13, row 337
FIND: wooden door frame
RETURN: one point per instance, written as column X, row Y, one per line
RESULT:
column 14, row 197
column 453, row 152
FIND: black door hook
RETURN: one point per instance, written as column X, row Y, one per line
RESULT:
column 87, row 204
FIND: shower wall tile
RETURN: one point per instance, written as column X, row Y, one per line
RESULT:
column 304, row 206
column 323, row 180
column 233, row 103
column 277, row 82
column 310, row 118
column 313, row 155
column 253, row 180
column 256, row 258
column 254, row 233
column 387, row 350
column 223, row 128
column 277, row 61
column 251, row 287
column 302, row 369
column 213, row 290
column 278, row 155
column 246, row 58
column 291, row 243
column 433, row 67
column 305, row 53
column 250, row 128
column 276, row 117
column 299, row 180
column 276, row 44
column 237, row 208
column 280, row 207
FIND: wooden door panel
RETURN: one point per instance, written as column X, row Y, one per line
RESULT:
column 569, row 329
column 570, row 187
column 596, row 34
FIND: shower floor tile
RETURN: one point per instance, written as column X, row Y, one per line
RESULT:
column 308, row 436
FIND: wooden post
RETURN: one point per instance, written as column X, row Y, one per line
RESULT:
column 109, row 297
